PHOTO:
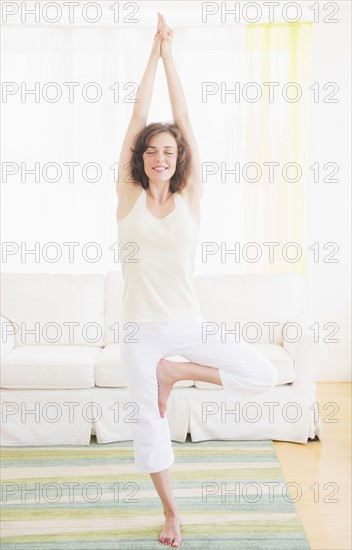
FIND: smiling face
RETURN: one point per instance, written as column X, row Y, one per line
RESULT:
column 160, row 157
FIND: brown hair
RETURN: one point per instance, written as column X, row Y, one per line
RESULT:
column 178, row 180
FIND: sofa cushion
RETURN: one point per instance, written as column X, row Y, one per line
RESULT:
column 109, row 372
column 251, row 300
column 280, row 358
column 64, row 367
column 44, row 306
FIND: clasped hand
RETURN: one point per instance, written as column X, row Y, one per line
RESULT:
column 162, row 39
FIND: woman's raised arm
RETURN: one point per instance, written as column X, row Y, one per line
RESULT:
column 140, row 111
column 180, row 111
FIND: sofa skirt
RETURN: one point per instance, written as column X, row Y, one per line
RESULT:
column 70, row 417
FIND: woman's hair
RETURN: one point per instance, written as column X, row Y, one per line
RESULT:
column 178, row 180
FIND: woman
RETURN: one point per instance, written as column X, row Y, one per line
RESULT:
column 158, row 214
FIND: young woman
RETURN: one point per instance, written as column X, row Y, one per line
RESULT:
column 158, row 215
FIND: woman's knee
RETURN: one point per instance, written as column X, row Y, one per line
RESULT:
column 269, row 375
column 260, row 374
column 262, row 377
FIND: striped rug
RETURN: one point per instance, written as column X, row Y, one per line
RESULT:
column 230, row 494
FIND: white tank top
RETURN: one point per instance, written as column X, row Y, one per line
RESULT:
column 157, row 260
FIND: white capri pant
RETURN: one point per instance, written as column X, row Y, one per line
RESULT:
column 242, row 369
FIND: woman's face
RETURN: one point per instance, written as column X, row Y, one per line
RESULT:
column 160, row 157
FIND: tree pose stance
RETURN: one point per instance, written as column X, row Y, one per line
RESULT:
column 159, row 192
column 163, row 152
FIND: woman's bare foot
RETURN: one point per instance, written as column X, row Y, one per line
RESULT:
column 171, row 533
column 166, row 379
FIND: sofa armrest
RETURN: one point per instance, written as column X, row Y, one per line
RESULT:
column 7, row 335
column 309, row 354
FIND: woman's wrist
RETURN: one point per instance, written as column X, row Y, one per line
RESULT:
column 167, row 58
column 154, row 57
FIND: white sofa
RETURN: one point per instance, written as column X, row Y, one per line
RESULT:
column 61, row 377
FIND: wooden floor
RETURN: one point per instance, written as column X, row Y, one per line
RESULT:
column 323, row 471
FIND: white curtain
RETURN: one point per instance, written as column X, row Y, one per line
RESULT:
column 48, row 133
column 278, row 143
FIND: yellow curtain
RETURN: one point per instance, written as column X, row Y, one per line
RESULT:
column 277, row 132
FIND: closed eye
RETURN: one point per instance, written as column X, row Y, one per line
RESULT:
column 152, row 153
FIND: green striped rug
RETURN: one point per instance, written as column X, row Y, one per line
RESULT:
column 230, row 495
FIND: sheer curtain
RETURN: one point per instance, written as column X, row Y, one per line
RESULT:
column 60, row 207
column 277, row 132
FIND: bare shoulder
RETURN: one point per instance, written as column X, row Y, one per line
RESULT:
column 192, row 198
column 127, row 199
